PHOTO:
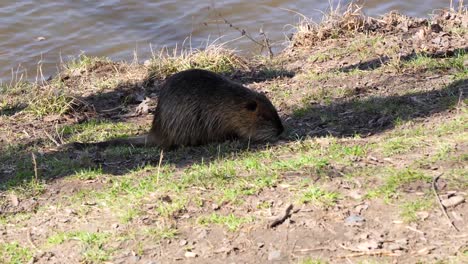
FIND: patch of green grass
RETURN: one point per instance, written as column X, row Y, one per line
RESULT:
column 95, row 130
column 422, row 61
column 159, row 233
column 321, row 56
column 214, row 58
column 92, row 243
column 8, row 108
column 129, row 214
column 250, row 185
column 399, row 145
column 16, row 88
column 215, row 174
column 55, row 101
column 89, row 173
column 301, row 112
column 24, row 181
column 170, row 209
column 84, row 62
column 14, row 253
column 410, row 209
column 395, row 179
column 310, row 260
column 231, row 222
column 318, row 196
column 457, row 125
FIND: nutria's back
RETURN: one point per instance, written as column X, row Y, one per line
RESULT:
column 198, row 106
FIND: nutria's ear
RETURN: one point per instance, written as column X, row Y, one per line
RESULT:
column 251, row 106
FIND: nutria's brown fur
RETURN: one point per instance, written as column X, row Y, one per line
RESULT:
column 197, row 107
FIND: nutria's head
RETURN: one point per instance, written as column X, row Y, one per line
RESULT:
column 263, row 122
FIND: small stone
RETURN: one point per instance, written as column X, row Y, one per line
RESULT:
column 260, row 245
column 190, row 254
column 14, row 200
column 453, row 201
column 115, row 226
column 274, row 255
column 215, row 206
column 356, row 195
column 354, row 220
column 425, row 251
column 40, row 38
column 183, row 242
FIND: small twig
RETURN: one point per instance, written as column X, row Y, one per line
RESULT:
column 348, row 248
column 111, row 109
column 159, row 165
column 31, row 241
column 442, row 207
column 52, row 139
column 415, row 230
column 460, row 100
column 35, row 166
column 305, row 250
column 282, row 218
column 371, row 253
column 247, row 35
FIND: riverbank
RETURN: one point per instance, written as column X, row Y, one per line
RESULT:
column 374, row 110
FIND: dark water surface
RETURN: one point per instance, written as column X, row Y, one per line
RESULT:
column 44, row 32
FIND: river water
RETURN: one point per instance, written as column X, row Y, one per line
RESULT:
column 46, row 32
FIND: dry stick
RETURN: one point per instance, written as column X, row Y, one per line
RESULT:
column 159, row 165
column 442, row 207
column 52, row 139
column 306, row 250
column 282, row 218
column 35, row 166
column 247, row 35
column 31, row 241
column 460, row 101
column 371, row 253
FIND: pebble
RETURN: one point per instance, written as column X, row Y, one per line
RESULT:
column 274, row 255
column 354, row 220
column 190, row 254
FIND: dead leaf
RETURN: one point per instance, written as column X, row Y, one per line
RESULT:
column 143, row 107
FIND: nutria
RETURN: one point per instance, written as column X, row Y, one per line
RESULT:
column 197, row 107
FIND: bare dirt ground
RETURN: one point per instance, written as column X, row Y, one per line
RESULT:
column 375, row 111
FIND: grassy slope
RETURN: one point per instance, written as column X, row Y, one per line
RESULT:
column 368, row 129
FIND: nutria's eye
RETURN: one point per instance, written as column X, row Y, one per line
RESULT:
column 251, row 106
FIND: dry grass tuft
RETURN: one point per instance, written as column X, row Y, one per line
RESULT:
column 345, row 22
column 333, row 24
column 214, row 58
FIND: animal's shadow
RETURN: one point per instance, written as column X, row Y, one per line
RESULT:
column 341, row 118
